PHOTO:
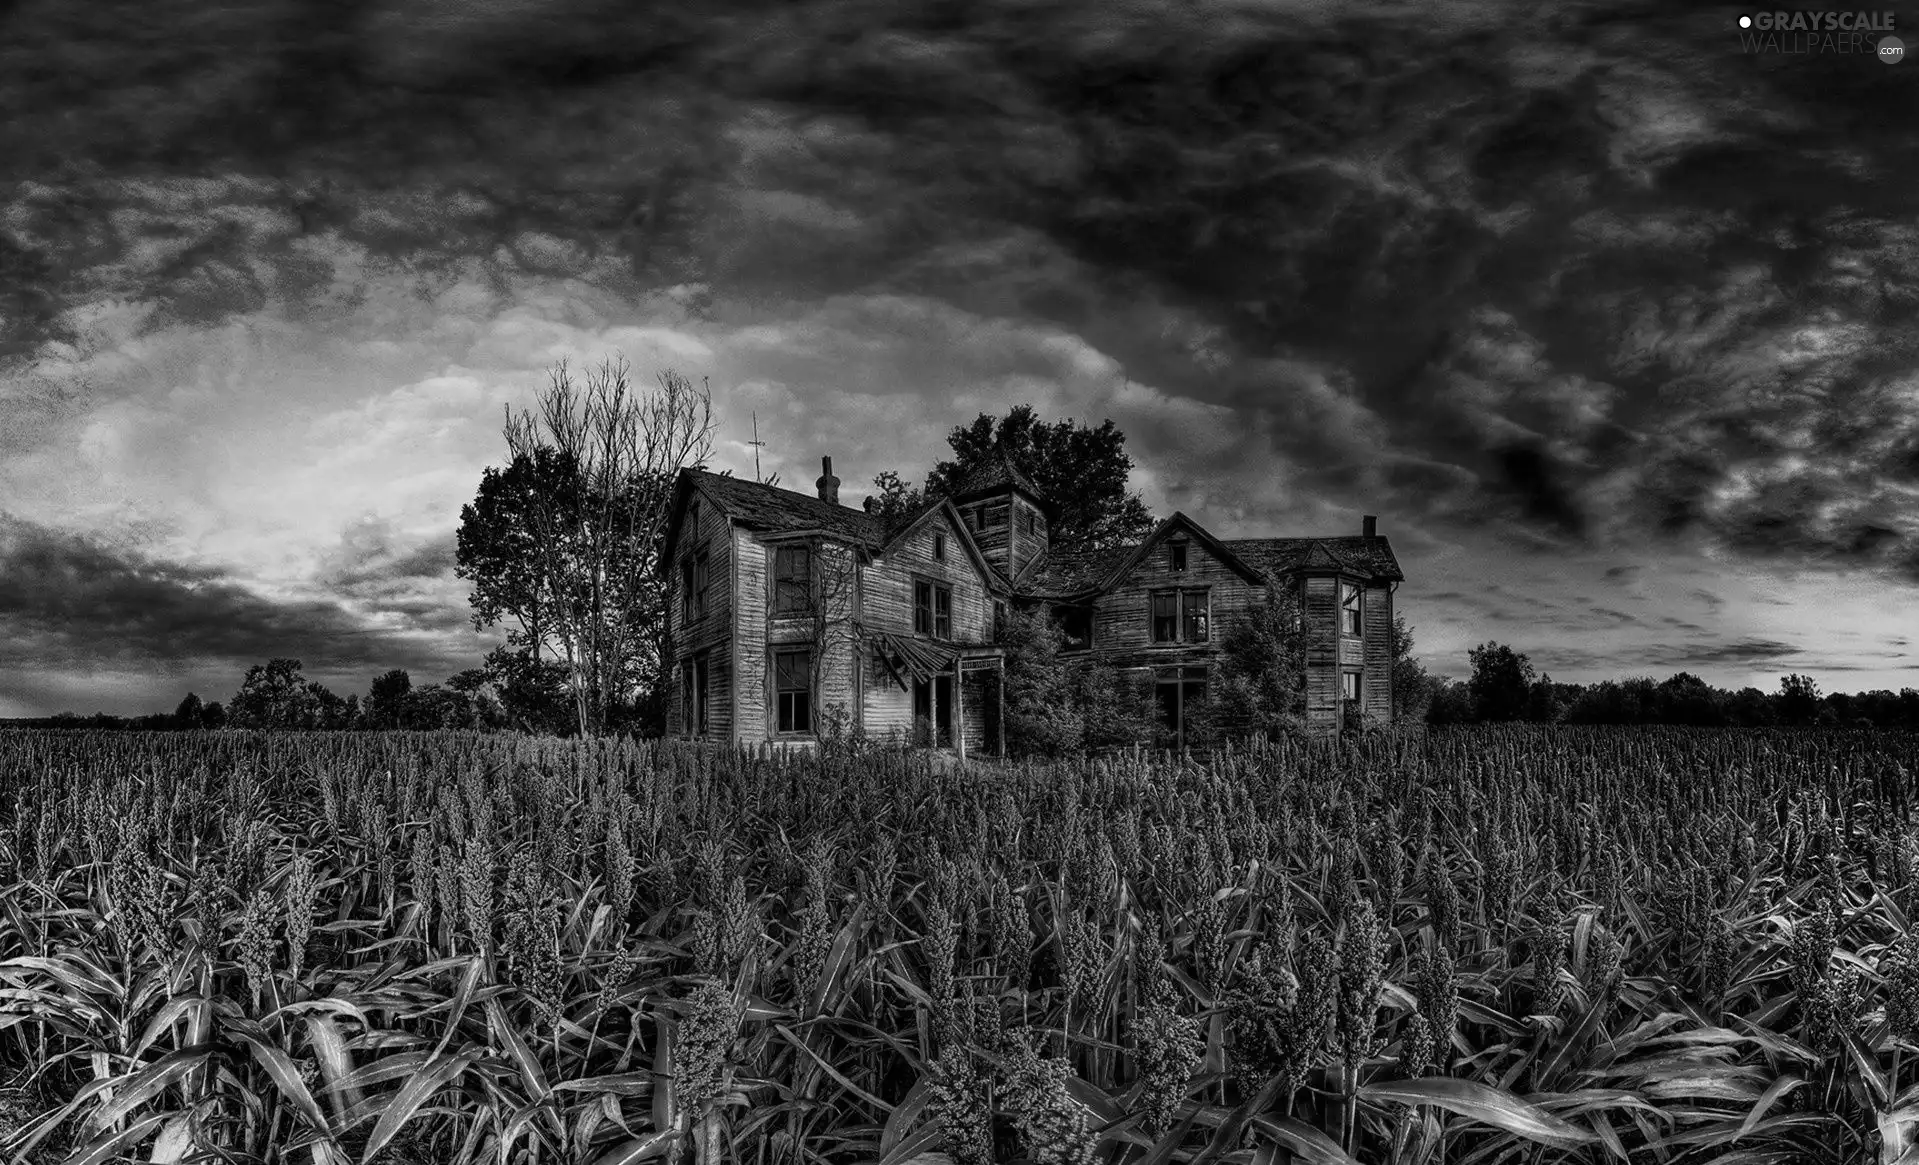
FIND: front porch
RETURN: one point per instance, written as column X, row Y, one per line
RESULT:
column 949, row 696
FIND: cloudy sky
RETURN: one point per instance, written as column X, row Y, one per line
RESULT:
column 1612, row 324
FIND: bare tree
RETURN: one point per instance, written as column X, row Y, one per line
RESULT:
column 836, row 569
column 598, row 533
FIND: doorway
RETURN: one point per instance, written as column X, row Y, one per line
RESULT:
column 933, row 711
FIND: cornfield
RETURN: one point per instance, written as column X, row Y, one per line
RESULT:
column 1490, row 945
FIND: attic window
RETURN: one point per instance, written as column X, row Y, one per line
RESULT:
column 1029, row 521
column 693, row 516
column 1179, row 555
column 939, row 548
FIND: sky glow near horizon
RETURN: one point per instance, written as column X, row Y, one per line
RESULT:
column 1612, row 326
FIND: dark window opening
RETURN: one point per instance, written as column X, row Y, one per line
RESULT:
column 1349, row 611
column 1181, row 616
column 1193, row 614
column 1349, row 686
column 999, row 619
column 933, row 711
column 693, row 695
column 1075, row 628
column 793, row 691
column 686, row 589
column 939, row 548
column 1165, row 616
column 932, row 609
column 792, row 580
column 1179, row 555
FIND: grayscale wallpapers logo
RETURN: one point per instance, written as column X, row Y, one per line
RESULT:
column 1821, row 33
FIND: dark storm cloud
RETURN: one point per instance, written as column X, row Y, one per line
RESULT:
column 65, row 597
column 1583, row 270
column 1702, row 654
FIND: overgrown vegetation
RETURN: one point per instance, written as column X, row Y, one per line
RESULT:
column 1496, row 944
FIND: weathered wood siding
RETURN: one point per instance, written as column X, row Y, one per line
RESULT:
column 974, row 692
column 1322, row 651
column 886, row 604
column 826, row 630
column 711, row 632
column 752, row 576
column 1377, row 684
column 1122, row 618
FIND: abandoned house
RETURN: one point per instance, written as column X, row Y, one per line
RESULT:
column 791, row 614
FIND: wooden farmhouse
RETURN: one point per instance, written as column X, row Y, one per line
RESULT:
column 792, row 615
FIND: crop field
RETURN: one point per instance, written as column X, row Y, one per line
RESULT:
column 1491, row 945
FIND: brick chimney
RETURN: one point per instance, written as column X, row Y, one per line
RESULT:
column 829, row 485
column 1369, row 525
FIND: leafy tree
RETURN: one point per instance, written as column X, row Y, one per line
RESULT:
column 1041, row 716
column 570, row 546
column 1261, row 680
column 532, row 693
column 1502, row 682
column 1412, row 687
column 1542, row 701
column 386, row 700
column 1114, row 712
column 892, row 500
column 190, row 714
column 1798, row 701
column 274, row 695
column 497, row 550
column 1083, row 471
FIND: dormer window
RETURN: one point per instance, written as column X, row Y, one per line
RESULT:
column 1178, row 551
column 939, row 548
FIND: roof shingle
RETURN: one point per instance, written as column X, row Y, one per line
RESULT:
column 768, row 507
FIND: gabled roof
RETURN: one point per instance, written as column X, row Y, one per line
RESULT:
column 757, row 506
column 1071, row 575
column 1061, row 574
column 1353, row 554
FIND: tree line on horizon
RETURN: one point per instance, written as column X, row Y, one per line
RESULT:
column 1505, row 687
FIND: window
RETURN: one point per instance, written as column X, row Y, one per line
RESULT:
column 693, row 695
column 1075, row 628
column 1349, row 608
column 1349, row 686
column 1165, row 621
column 999, row 619
column 1192, row 616
column 792, row 580
column 686, row 589
column 1031, row 524
column 693, row 516
column 1178, row 550
column 1180, row 616
column 793, row 691
column 939, row 548
column 1181, row 693
column 932, row 609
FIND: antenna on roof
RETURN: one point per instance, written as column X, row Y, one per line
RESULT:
column 756, row 443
